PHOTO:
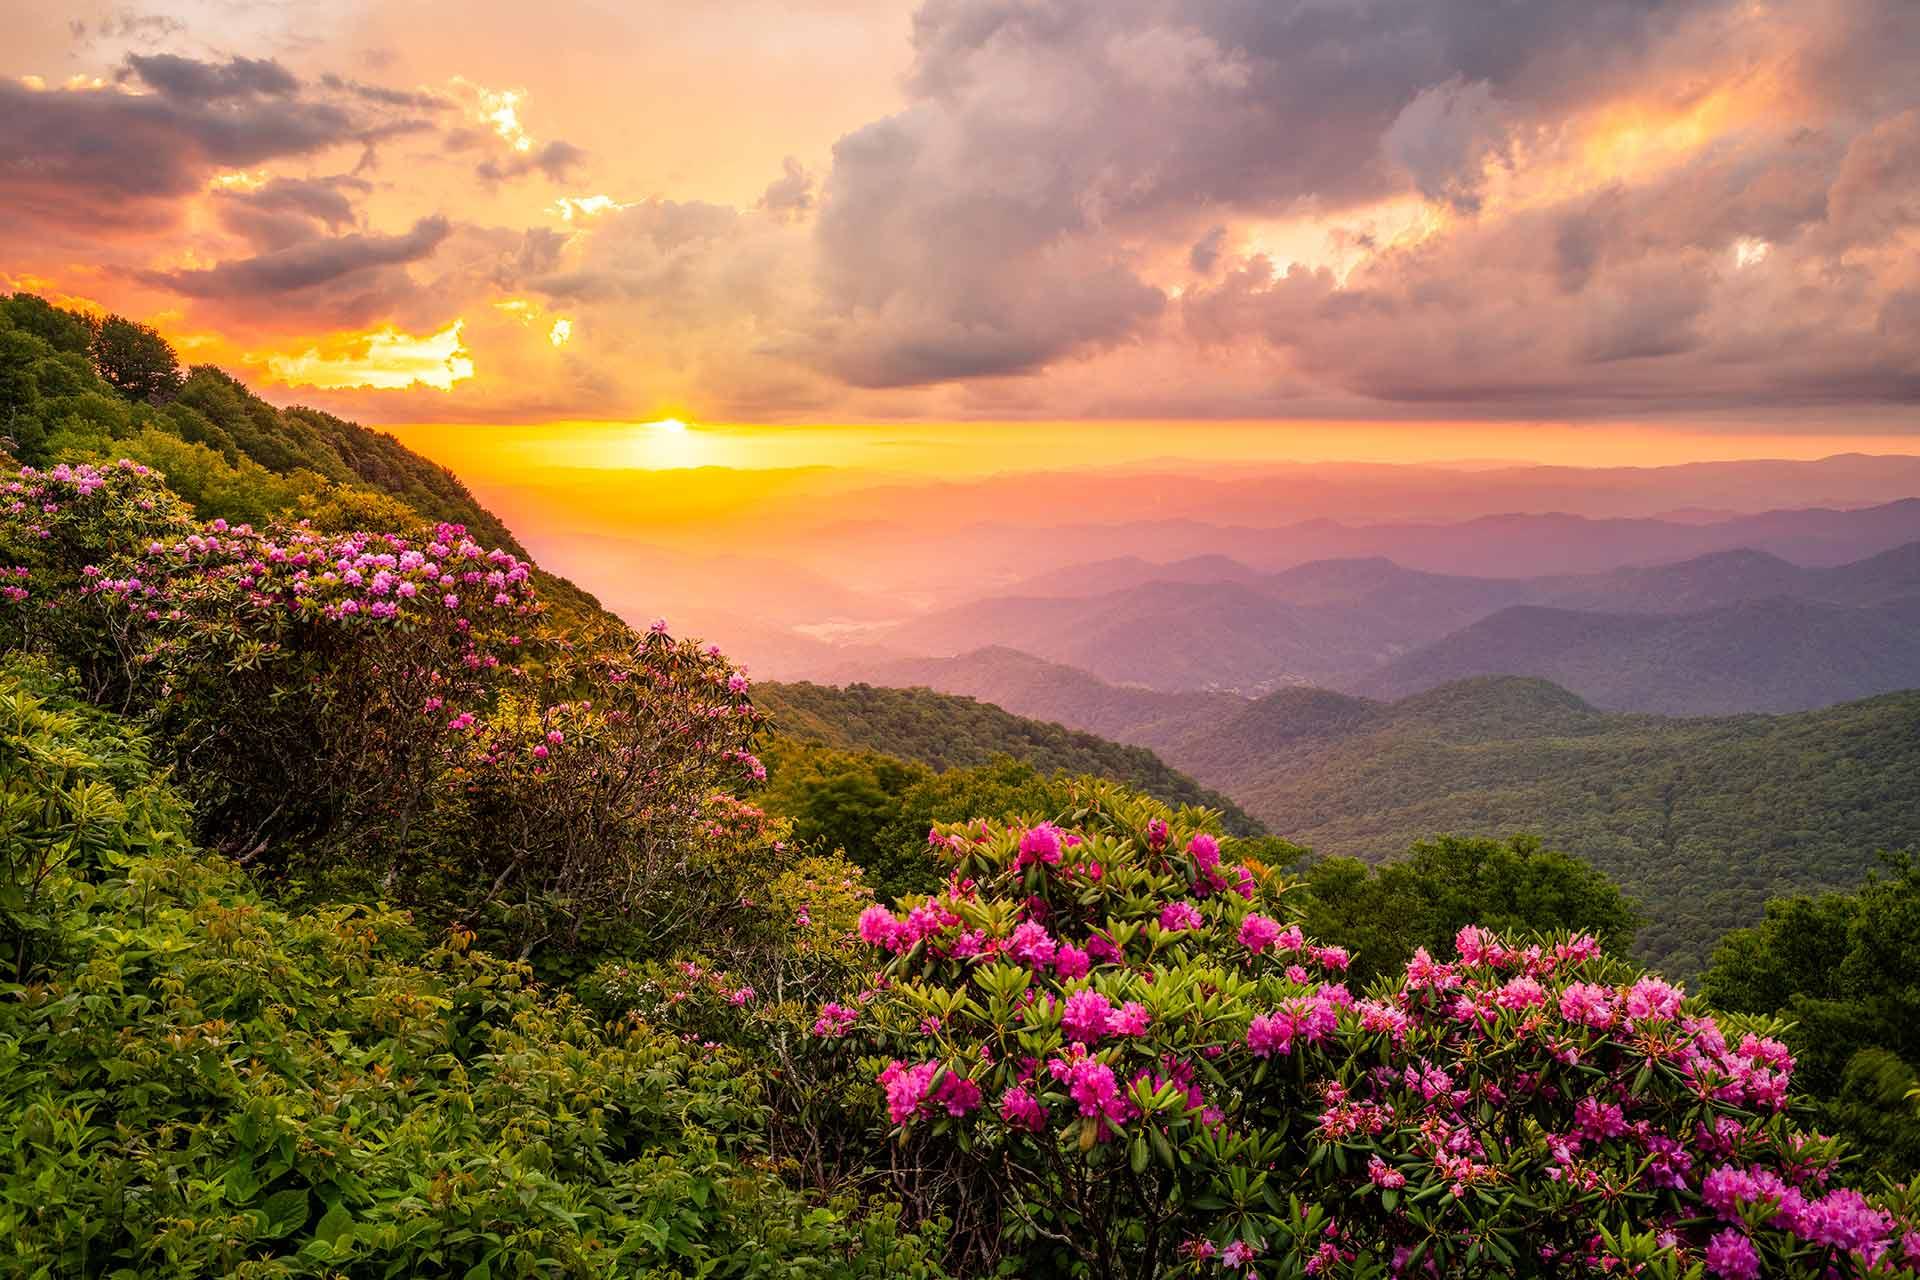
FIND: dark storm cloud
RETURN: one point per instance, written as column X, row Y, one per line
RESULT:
column 1003, row 221
column 991, row 212
column 306, row 265
column 190, row 80
column 286, row 211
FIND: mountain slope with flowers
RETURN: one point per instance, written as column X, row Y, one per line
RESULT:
column 235, row 457
column 364, row 914
column 1096, row 1008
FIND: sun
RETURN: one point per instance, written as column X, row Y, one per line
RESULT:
column 668, row 444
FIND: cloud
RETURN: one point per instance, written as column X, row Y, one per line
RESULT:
column 306, row 265
column 110, row 158
column 189, row 80
column 1581, row 188
column 790, row 196
column 124, row 25
column 1443, row 137
column 1184, row 207
column 556, row 160
column 414, row 99
column 1009, row 217
column 387, row 360
column 1207, row 250
column 1638, row 298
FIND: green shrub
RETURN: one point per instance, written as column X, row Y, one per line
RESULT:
column 204, row 1084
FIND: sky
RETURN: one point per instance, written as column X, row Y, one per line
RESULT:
column 1504, row 224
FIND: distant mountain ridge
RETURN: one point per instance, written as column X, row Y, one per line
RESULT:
column 1370, row 625
column 1771, row 655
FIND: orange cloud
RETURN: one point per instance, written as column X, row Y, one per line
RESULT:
column 386, row 360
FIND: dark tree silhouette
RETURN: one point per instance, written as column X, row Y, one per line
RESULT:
column 136, row 361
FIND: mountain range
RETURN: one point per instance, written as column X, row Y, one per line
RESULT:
column 1726, row 632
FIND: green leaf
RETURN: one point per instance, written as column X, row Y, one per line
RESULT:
column 335, row 1223
column 286, row 1212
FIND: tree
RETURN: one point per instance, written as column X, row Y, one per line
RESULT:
column 136, row 360
column 60, row 329
column 1515, row 885
column 1844, row 969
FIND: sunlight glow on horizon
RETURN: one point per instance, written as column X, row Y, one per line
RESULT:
column 487, row 453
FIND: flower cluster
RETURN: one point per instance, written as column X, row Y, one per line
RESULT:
column 1488, row 1112
column 378, row 577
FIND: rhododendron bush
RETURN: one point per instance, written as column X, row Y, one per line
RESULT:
column 391, row 702
column 1156, row 1074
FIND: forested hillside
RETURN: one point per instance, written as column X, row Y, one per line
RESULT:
column 944, row 731
column 1701, row 820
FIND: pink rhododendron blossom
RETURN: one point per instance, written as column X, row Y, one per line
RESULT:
column 1732, row 1256
column 907, row 1088
column 1177, row 916
column 1257, row 932
column 1086, row 1016
column 956, row 1094
column 1092, row 1087
column 1040, row 844
column 1243, row 883
column 1270, row 1033
column 1021, row 1110
column 1071, row 962
column 1132, row 1019
column 835, row 1020
column 1238, row 1253
column 879, row 928
column 1206, row 852
column 1588, row 1004
column 1650, row 997
column 1031, row 944
column 1384, row 1175
column 1521, row 993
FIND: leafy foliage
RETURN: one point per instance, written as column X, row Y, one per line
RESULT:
column 944, row 731
column 1384, row 914
column 390, row 706
column 135, row 360
column 208, row 1085
column 1844, row 971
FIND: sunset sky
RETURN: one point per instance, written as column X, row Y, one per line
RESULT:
column 1439, row 228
